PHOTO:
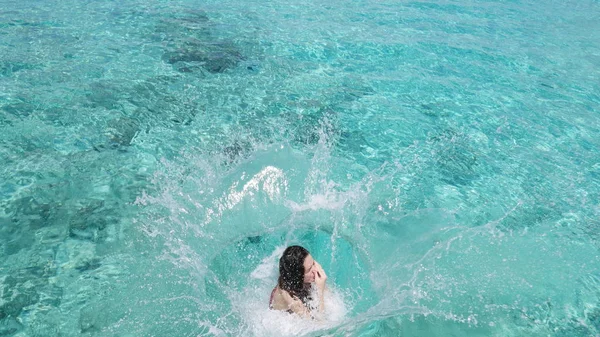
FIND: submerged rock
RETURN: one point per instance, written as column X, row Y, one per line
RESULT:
column 214, row 57
column 255, row 239
column 20, row 109
column 120, row 133
column 87, row 321
column 9, row 68
column 353, row 141
column 183, row 24
column 455, row 159
column 9, row 326
column 98, row 315
column 15, row 298
column 188, row 36
column 90, row 221
column 51, row 296
column 157, row 106
column 32, row 212
column 25, row 216
column 594, row 318
column 104, row 94
column 353, row 89
column 89, row 265
column 122, row 130
column 438, row 109
column 18, row 242
column 310, row 128
column 236, row 151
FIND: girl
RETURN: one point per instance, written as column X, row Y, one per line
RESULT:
column 297, row 272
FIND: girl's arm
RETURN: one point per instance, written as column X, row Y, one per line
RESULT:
column 295, row 305
column 320, row 278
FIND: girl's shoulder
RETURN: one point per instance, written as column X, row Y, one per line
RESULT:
column 283, row 300
column 283, row 295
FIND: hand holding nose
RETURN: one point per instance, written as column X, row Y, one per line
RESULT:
column 320, row 276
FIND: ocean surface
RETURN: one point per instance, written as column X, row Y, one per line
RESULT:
column 440, row 159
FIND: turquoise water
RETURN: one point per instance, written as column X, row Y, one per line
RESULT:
column 440, row 159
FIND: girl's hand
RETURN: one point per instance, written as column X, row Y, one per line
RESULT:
column 320, row 276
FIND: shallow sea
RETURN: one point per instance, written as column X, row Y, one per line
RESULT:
column 441, row 159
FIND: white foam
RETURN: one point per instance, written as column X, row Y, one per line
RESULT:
column 267, row 269
column 270, row 180
column 328, row 201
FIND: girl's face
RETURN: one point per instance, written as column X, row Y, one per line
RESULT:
column 309, row 269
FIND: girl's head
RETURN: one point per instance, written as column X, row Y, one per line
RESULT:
column 296, row 270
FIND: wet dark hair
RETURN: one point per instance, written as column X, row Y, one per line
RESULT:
column 291, row 272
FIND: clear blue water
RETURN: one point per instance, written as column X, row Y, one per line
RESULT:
column 441, row 159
